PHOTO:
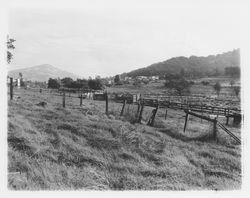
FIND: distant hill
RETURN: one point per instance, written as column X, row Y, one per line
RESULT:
column 41, row 73
column 193, row 66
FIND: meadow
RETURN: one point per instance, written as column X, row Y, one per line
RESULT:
column 56, row 148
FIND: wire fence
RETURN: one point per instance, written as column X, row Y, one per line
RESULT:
column 139, row 100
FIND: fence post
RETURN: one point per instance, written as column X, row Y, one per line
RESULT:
column 81, row 100
column 11, row 88
column 186, row 120
column 227, row 120
column 215, row 129
column 152, row 119
column 166, row 114
column 140, row 115
column 63, row 100
column 237, row 119
column 138, row 108
column 107, row 102
column 123, row 107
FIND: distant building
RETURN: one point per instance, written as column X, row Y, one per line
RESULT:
column 141, row 77
column 155, row 77
column 127, row 78
column 110, row 82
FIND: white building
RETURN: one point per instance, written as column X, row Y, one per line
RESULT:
column 128, row 78
column 141, row 77
column 155, row 77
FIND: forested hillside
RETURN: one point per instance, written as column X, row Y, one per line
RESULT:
column 193, row 66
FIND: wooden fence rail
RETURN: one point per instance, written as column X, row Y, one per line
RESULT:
column 198, row 108
column 189, row 109
column 160, row 103
column 229, row 132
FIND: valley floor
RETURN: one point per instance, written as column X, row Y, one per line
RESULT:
column 51, row 147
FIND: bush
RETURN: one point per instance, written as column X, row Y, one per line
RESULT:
column 53, row 84
column 95, row 84
column 137, row 83
column 117, row 80
column 232, row 71
column 177, row 83
column 217, row 88
column 205, row 83
column 237, row 91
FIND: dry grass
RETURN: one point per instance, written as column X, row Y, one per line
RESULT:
column 81, row 148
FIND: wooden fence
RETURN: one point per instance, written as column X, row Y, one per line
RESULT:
column 137, row 99
column 229, row 133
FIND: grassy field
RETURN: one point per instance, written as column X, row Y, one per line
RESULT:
column 197, row 88
column 51, row 147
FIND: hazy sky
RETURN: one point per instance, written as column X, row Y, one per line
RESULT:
column 110, row 37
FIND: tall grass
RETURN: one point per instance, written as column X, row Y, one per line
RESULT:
column 55, row 148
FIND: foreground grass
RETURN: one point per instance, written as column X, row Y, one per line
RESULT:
column 81, row 148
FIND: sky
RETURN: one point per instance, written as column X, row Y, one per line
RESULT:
column 111, row 37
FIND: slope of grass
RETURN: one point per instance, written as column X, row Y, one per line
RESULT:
column 81, row 148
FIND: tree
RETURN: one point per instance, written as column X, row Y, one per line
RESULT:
column 53, row 84
column 217, row 88
column 137, row 83
column 232, row 71
column 237, row 91
column 95, row 84
column 10, row 46
column 182, row 72
column 66, row 82
column 232, row 82
column 216, row 72
column 177, row 83
column 117, row 79
column 83, row 83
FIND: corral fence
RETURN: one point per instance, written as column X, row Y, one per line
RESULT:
column 166, row 102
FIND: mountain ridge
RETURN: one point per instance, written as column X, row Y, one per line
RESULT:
column 41, row 73
column 192, row 66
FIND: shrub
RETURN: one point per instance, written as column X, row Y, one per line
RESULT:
column 237, row 91
column 205, row 82
column 53, row 84
column 217, row 88
column 95, row 84
column 177, row 83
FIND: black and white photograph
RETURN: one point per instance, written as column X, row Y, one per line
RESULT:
column 124, row 95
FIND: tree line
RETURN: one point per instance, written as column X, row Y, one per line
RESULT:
column 96, row 84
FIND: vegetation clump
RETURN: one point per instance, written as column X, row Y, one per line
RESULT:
column 217, row 88
column 95, row 84
column 177, row 83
